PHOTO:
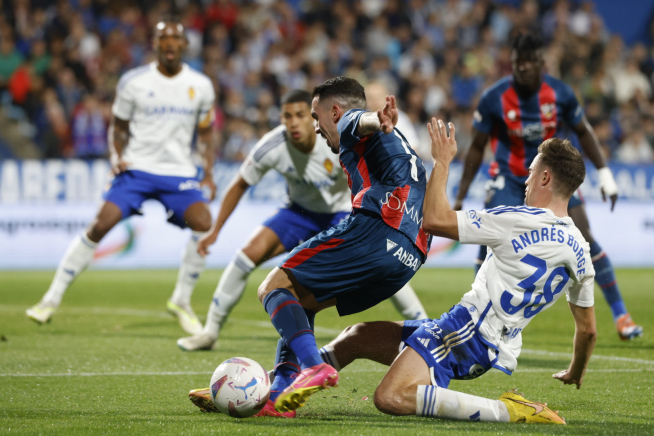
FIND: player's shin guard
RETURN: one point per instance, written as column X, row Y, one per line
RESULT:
column 229, row 291
column 408, row 304
column 189, row 272
column 77, row 258
column 290, row 320
column 443, row 403
column 605, row 277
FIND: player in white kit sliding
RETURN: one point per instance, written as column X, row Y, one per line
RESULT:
column 319, row 198
column 156, row 112
column 536, row 255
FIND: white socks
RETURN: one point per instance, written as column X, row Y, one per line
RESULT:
column 230, row 289
column 189, row 272
column 443, row 403
column 407, row 303
column 76, row 259
column 328, row 356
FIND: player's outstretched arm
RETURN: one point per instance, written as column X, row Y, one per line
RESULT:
column 590, row 145
column 118, row 135
column 233, row 195
column 205, row 145
column 584, row 343
column 438, row 217
column 383, row 120
column 471, row 165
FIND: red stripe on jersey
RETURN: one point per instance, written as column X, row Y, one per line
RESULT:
column 421, row 241
column 362, row 167
column 307, row 253
column 392, row 210
column 513, row 120
column 547, row 107
column 349, row 179
column 494, row 168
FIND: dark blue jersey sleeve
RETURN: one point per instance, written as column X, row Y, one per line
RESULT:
column 573, row 113
column 347, row 127
column 482, row 119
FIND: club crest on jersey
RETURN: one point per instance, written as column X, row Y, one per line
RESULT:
column 547, row 109
column 476, row 220
column 191, row 93
column 511, row 114
column 329, row 165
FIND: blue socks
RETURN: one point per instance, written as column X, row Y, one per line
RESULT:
column 605, row 277
column 285, row 368
column 294, row 325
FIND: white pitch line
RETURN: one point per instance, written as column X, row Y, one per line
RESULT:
column 98, row 374
column 594, row 356
column 266, row 324
column 109, row 374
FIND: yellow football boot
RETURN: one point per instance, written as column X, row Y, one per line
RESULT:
column 522, row 410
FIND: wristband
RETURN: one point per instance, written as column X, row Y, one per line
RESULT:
column 607, row 182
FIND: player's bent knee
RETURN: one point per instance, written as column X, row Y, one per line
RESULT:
column 388, row 401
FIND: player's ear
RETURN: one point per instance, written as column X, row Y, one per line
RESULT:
column 336, row 113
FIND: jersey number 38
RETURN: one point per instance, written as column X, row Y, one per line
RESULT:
column 543, row 296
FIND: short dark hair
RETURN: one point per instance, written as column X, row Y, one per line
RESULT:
column 565, row 163
column 348, row 91
column 296, row 96
column 527, row 42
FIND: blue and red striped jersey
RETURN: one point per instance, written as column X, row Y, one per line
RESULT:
column 518, row 125
column 385, row 176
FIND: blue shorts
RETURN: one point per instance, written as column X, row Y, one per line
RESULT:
column 510, row 191
column 451, row 346
column 360, row 262
column 294, row 225
column 131, row 188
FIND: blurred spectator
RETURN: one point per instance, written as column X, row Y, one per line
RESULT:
column 60, row 61
column 10, row 60
column 635, row 149
column 89, row 129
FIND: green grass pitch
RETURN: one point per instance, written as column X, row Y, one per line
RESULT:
column 108, row 363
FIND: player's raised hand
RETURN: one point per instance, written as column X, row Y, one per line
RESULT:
column 443, row 146
column 205, row 242
column 209, row 183
column 567, row 378
column 388, row 115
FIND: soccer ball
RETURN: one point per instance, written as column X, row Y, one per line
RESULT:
column 240, row 387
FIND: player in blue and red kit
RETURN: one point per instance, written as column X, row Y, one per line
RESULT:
column 360, row 262
column 516, row 115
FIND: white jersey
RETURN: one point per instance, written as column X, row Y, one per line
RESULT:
column 163, row 113
column 534, row 257
column 315, row 180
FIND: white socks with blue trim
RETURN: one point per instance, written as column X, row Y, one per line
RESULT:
column 229, row 291
column 76, row 259
column 443, row 403
column 189, row 272
column 328, row 356
column 408, row 304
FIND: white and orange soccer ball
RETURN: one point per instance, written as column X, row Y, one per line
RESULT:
column 240, row 387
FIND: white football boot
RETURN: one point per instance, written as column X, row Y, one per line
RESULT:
column 42, row 312
column 186, row 317
column 202, row 341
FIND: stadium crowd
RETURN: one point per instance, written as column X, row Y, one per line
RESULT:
column 60, row 62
